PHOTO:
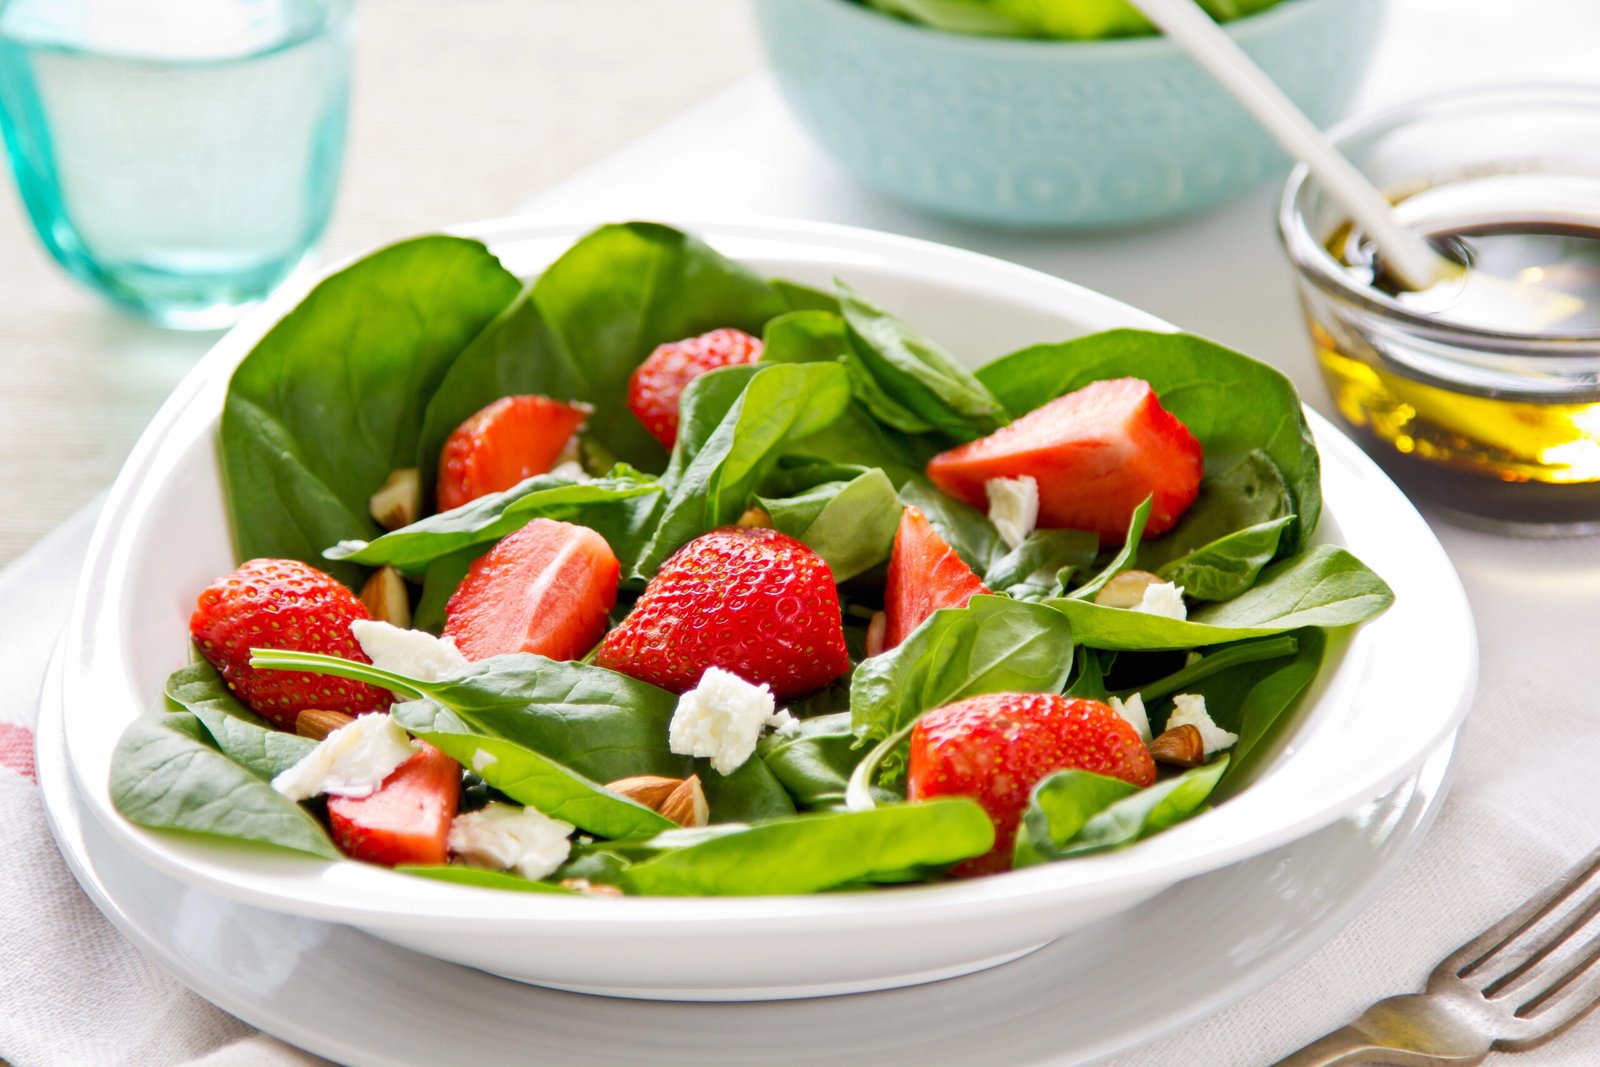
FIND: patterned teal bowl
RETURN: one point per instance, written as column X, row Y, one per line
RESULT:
column 1056, row 134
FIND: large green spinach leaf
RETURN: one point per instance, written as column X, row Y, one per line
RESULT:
column 241, row 734
column 810, row 853
column 331, row 400
column 483, row 879
column 1231, row 403
column 846, row 515
column 166, row 775
column 1326, row 586
column 815, row 761
column 1232, row 531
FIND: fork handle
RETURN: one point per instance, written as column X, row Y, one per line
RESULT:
column 1347, row 1046
column 1413, row 1030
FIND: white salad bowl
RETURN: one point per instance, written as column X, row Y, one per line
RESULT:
column 1388, row 694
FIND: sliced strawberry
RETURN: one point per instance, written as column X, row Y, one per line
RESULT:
column 408, row 819
column 750, row 600
column 513, row 438
column 995, row 748
column 285, row 604
column 1096, row 454
column 546, row 589
column 925, row 574
column 658, row 383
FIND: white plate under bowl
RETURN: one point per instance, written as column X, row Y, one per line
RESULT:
column 1385, row 698
column 1105, row 989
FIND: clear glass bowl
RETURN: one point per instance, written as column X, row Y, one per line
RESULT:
column 1495, row 428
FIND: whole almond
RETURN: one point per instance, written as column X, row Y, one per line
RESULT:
column 386, row 598
column 317, row 724
column 591, row 889
column 754, row 516
column 1126, row 589
column 687, row 805
column 398, row 502
column 650, row 790
column 1181, row 746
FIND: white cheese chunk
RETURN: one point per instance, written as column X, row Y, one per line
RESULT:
column 482, row 759
column 1133, row 710
column 413, row 653
column 1189, row 709
column 1163, row 599
column 722, row 719
column 504, row 837
column 1013, row 507
column 350, row 762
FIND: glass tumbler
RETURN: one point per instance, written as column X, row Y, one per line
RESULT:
column 1494, row 427
column 180, row 156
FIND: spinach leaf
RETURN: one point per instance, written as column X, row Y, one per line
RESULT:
column 850, row 524
column 957, row 16
column 814, row 763
column 810, row 853
column 749, row 794
column 992, row 645
column 331, row 400
column 914, row 375
column 609, row 505
column 857, row 438
column 963, row 527
column 1326, row 586
column 1095, row 815
column 483, row 879
column 241, row 734
column 734, row 426
column 529, row 778
column 601, row 724
column 517, row 353
column 166, row 775
column 624, row 289
column 1218, row 660
column 1041, row 566
column 1254, row 701
column 1125, row 557
column 1230, row 402
column 1230, row 533
column 797, row 297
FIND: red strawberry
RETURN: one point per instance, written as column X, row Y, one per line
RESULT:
column 283, row 603
column 925, row 574
column 1096, row 454
column 749, row 600
column 995, row 748
column 408, row 819
column 658, row 383
column 546, row 589
column 513, row 438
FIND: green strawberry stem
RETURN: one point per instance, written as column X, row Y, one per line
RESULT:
column 1221, row 660
column 276, row 659
column 858, row 792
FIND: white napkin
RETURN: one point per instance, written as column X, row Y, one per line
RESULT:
column 73, row 991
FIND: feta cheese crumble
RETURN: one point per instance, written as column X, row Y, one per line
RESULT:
column 482, row 759
column 1189, row 709
column 1133, row 710
column 504, row 837
column 1013, row 507
column 350, row 762
column 722, row 719
column 413, row 653
column 1164, row 599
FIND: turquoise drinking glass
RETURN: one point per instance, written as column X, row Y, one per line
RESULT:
column 180, row 156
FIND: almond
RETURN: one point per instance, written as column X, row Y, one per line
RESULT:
column 590, row 889
column 1181, row 746
column 386, row 598
column 687, row 805
column 317, row 724
column 398, row 502
column 649, row 790
column 754, row 516
column 1126, row 589
column 877, row 629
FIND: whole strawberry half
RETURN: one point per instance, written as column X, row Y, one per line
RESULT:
column 511, row 439
column 995, row 748
column 749, row 600
column 658, row 383
column 286, row 604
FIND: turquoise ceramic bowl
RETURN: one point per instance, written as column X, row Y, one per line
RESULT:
column 1063, row 134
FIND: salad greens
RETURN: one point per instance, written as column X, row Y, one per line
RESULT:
column 828, row 435
column 1072, row 20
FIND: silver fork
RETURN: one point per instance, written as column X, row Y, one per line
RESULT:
column 1515, row 986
